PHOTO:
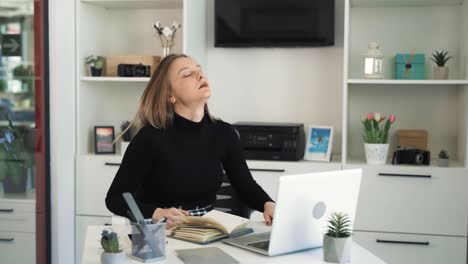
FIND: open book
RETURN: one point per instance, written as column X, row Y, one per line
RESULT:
column 211, row 227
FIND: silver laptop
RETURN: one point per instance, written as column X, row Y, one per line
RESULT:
column 304, row 204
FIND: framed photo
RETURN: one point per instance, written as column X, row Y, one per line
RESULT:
column 103, row 138
column 319, row 143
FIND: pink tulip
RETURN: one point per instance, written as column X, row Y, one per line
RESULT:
column 392, row 118
column 370, row 116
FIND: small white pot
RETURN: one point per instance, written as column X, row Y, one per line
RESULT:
column 443, row 162
column 441, row 73
column 337, row 250
column 123, row 146
column 113, row 258
column 376, row 153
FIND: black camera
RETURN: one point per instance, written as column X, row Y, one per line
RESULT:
column 133, row 70
column 412, row 156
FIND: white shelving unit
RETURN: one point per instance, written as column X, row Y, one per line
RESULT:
column 439, row 106
column 394, row 198
column 115, row 79
column 118, row 28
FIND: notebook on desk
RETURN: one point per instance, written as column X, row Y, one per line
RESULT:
column 211, row 227
column 205, row 255
column 304, row 204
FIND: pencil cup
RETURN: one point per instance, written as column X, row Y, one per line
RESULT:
column 149, row 249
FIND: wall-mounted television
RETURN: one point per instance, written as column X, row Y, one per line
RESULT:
column 274, row 23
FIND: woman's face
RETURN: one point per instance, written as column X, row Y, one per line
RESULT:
column 188, row 82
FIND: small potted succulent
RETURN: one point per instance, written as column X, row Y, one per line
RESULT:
column 440, row 71
column 443, row 158
column 112, row 253
column 337, row 241
column 96, row 63
column 126, row 135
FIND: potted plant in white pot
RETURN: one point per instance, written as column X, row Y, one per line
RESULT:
column 337, row 241
column 440, row 71
column 96, row 63
column 112, row 253
column 443, row 158
column 375, row 136
column 14, row 159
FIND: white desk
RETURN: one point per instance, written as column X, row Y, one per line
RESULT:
column 92, row 250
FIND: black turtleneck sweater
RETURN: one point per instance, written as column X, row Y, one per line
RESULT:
column 183, row 166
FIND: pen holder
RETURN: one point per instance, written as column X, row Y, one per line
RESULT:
column 142, row 249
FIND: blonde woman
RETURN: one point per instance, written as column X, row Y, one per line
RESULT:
column 174, row 164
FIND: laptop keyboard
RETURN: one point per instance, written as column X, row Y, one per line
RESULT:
column 261, row 245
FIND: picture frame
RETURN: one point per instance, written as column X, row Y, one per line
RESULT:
column 103, row 140
column 319, row 143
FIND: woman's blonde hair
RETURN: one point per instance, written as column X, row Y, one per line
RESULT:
column 154, row 108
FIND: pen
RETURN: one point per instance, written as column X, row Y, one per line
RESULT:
column 162, row 220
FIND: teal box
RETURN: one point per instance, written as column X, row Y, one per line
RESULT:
column 410, row 67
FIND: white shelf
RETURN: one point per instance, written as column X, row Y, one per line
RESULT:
column 396, row 82
column 115, row 79
column 403, row 3
column 136, row 4
column 433, row 164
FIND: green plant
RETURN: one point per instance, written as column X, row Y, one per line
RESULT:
column 443, row 154
column 375, row 129
column 339, row 225
column 13, row 154
column 440, row 58
column 95, row 61
column 110, row 242
column 25, row 74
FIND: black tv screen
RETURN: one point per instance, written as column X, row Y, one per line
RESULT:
column 263, row 23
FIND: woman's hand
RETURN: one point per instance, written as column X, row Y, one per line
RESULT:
column 268, row 212
column 173, row 216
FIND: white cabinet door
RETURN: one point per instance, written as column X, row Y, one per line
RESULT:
column 17, row 216
column 410, row 249
column 17, row 248
column 413, row 200
column 82, row 223
column 93, row 179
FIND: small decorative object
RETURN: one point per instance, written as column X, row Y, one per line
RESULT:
column 375, row 136
column 14, row 159
column 373, row 62
column 133, row 70
column 440, row 71
column 337, row 241
column 96, row 63
column 112, row 253
column 103, row 138
column 25, row 74
column 319, row 143
column 166, row 35
column 412, row 138
column 443, row 158
column 410, row 66
column 411, row 156
column 126, row 136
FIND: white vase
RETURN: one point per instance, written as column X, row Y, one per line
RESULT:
column 441, row 73
column 113, row 258
column 123, row 146
column 443, row 162
column 376, row 153
column 337, row 250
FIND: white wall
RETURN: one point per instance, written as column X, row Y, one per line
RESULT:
column 278, row 84
column 62, row 127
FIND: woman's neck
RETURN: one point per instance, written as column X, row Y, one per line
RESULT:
column 193, row 114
